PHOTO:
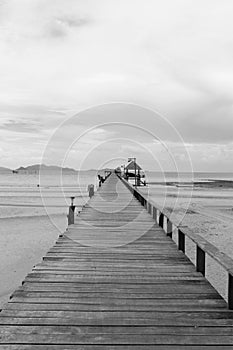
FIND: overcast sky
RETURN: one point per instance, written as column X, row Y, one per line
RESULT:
column 64, row 56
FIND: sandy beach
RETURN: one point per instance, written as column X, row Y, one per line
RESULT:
column 23, row 242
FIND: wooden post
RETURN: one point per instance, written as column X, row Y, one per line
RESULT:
column 169, row 228
column 155, row 214
column 161, row 220
column 200, row 260
column 90, row 189
column 181, row 241
column 230, row 291
column 149, row 208
column 141, row 199
column 71, row 212
column 135, row 172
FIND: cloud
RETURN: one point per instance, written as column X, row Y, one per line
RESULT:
column 60, row 27
column 73, row 21
column 55, row 30
column 20, row 126
column 24, row 21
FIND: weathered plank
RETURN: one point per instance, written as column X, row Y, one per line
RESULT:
column 113, row 347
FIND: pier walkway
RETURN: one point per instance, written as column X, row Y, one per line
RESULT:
column 114, row 280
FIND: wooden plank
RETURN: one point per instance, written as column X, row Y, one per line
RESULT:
column 175, row 306
column 119, row 321
column 119, row 339
column 112, row 347
column 62, row 295
column 105, row 315
column 141, row 330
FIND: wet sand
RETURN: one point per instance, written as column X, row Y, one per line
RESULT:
column 23, row 242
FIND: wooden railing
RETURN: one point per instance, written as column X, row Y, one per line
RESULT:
column 203, row 247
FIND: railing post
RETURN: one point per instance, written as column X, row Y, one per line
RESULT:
column 169, row 228
column 200, row 260
column 91, row 190
column 71, row 212
column 141, row 200
column 230, row 291
column 149, row 208
column 161, row 220
column 181, row 241
column 155, row 214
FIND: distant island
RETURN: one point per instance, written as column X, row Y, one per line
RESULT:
column 5, row 170
column 37, row 168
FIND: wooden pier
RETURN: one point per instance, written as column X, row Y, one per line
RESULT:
column 115, row 280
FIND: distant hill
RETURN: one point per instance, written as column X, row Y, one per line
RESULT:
column 5, row 170
column 36, row 168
